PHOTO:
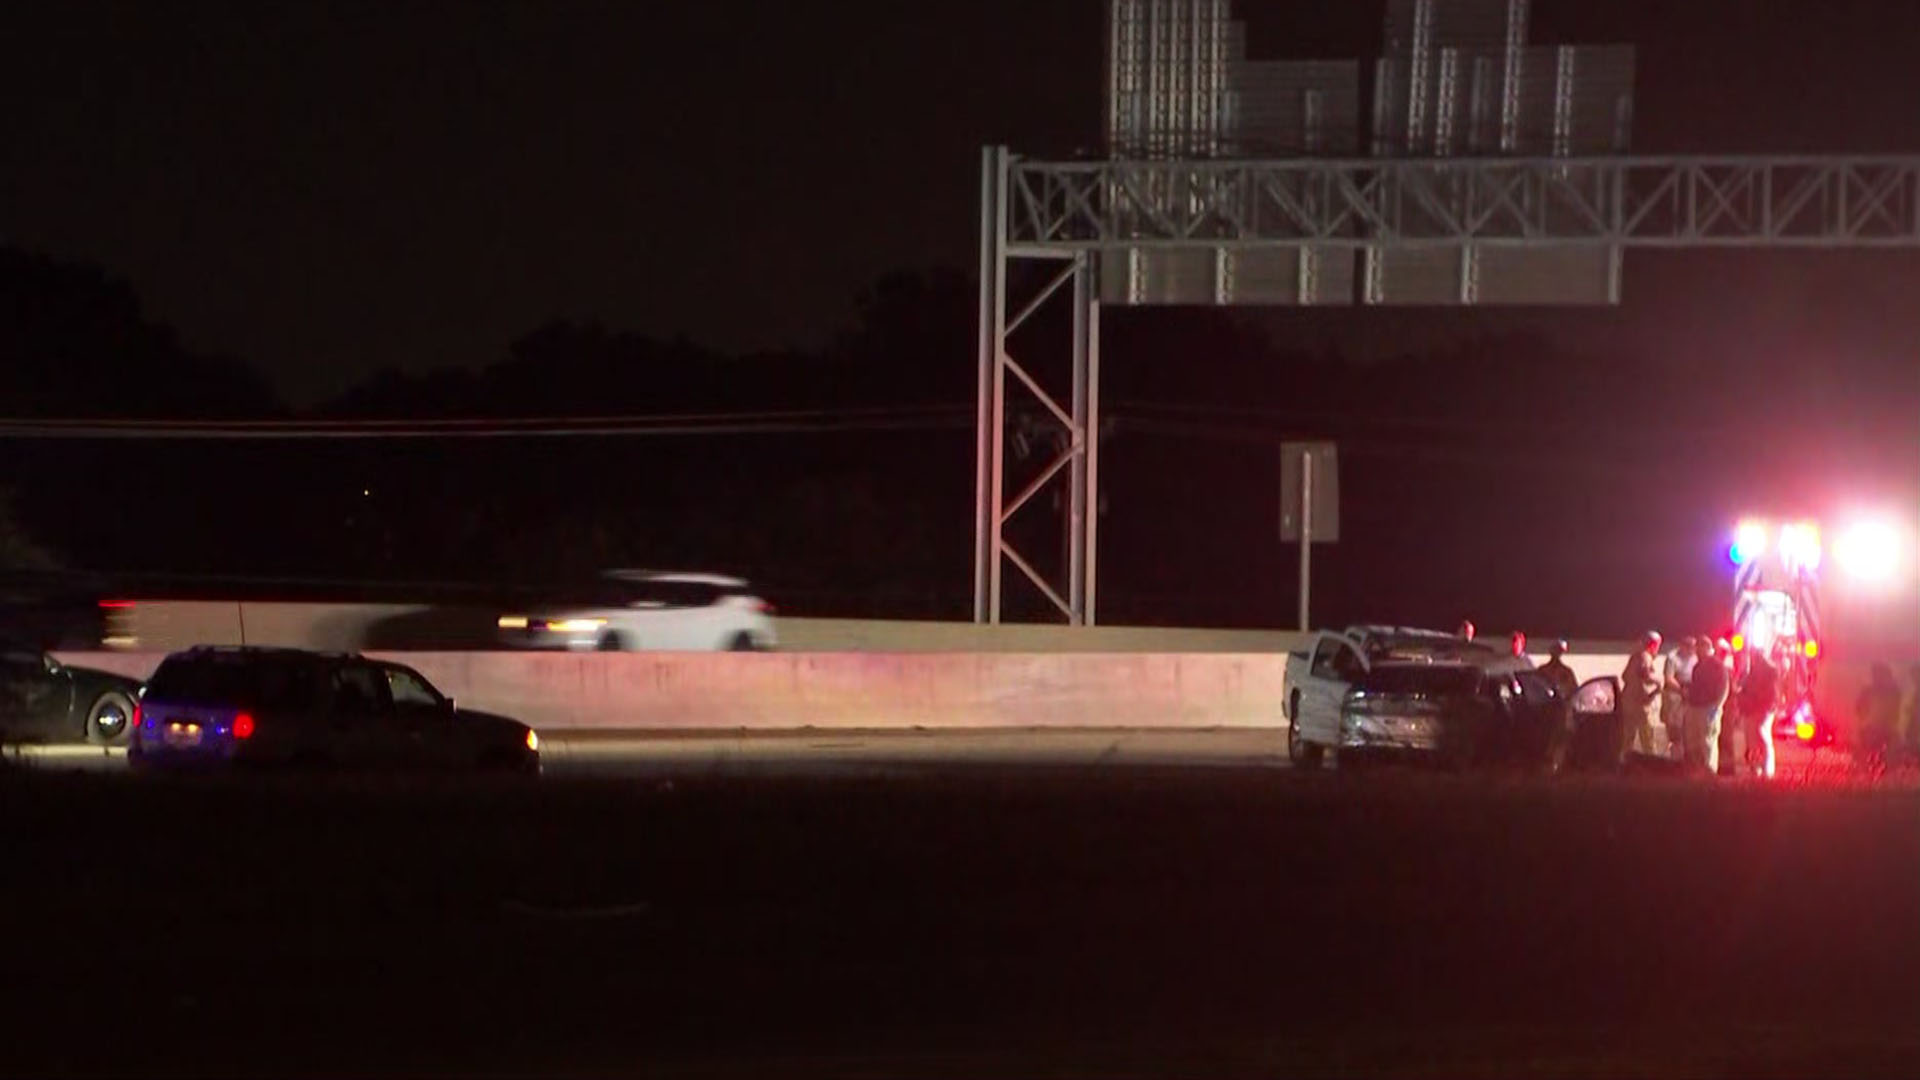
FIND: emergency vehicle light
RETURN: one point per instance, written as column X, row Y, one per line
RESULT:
column 1812, row 649
column 1800, row 545
column 1749, row 543
column 1804, row 727
column 1869, row 551
column 1739, row 643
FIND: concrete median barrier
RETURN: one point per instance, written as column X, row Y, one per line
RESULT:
column 881, row 690
column 719, row 691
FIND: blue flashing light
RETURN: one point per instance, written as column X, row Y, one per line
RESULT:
column 1749, row 543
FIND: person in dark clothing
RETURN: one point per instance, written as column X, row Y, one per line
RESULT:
column 1558, row 674
column 1910, row 719
column 1759, row 692
column 1876, row 715
column 1706, row 698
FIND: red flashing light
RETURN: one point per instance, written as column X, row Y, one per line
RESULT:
column 243, row 726
column 115, row 605
column 1812, row 649
column 135, row 722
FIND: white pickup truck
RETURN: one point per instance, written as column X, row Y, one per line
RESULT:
column 1319, row 676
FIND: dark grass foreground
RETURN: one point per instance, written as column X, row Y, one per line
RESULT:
column 978, row 923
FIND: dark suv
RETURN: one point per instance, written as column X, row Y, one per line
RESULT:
column 250, row 706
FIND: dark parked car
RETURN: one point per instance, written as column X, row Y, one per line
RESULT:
column 290, row 707
column 1461, row 715
column 45, row 701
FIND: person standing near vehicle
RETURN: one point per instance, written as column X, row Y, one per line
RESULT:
column 1640, row 697
column 1706, row 698
column 1876, row 715
column 1558, row 675
column 1759, row 691
column 1673, row 697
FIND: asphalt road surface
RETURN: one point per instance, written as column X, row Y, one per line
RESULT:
column 981, row 920
column 835, row 753
column 608, row 754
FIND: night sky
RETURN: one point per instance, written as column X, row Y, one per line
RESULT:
column 328, row 189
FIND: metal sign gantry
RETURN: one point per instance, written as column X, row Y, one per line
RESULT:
column 1636, row 202
column 1070, row 214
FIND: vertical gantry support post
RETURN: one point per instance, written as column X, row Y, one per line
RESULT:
column 1082, row 438
column 990, row 429
column 1090, row 459
column 1076, row 276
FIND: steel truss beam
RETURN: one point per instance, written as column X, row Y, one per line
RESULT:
column 1078, row 460
column 1635, row 202
column 1074, row 212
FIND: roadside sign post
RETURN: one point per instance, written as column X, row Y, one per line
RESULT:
column 1306, row 538
column 1309, row 507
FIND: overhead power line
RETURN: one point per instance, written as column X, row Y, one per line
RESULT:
column 824, row 421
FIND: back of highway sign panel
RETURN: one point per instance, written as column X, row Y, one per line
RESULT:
column 1326, row 490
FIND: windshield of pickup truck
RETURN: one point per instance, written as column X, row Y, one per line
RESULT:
column 1438, row 680
column 1426, row 648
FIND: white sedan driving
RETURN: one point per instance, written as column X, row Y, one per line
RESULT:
column 643, row 610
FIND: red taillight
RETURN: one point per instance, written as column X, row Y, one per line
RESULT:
column 1812, row 649
column 243, row 726
column 764, row 607
column 135, row 722
column 116, row 605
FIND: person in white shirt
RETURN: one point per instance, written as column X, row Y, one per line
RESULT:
column 1673, row 697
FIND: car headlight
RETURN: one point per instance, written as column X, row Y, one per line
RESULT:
column 513, row 622
column 576, row 626
column 533, row 740
column 1360, row 723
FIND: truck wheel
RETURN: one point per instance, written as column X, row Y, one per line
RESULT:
column 1300, row 751
column 110, row 718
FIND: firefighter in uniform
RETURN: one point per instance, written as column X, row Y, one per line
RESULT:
column 1640, row 697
